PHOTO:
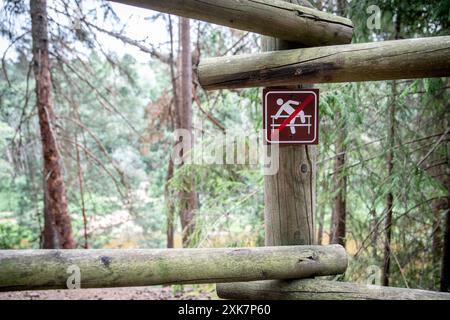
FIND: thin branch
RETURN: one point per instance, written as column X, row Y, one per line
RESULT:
column 150, row 50
column 433, row 148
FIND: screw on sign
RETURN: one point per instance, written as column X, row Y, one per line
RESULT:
column 291, row 116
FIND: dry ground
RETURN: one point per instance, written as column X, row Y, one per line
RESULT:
column 135, row 293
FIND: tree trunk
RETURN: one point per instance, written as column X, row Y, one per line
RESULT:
column 437, row 230
column 445, row 268
column 188, row 197
column 321, row 214
column 374, row 237
column 340, row 186
column 320, row 221
column 390, row 168
column 169, row 207
column 81, row 188
column 390, row 196
column 340, row 6
column 340, row 177
column 57, row 226
column 174, row 115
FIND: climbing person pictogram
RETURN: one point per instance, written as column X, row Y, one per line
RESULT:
column 287, row 108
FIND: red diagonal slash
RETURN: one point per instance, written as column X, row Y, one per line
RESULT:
column 293, row 114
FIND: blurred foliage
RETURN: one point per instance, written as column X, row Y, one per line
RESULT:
column 13, row 236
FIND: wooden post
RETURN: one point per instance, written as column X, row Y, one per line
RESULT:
column 289, row 194
column 289, row 198
column 294, row 22
column 313, row 289
column 51, row 269
column 386, row 60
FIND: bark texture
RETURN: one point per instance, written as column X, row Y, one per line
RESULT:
column 47, row 269
column 388, row 60
column 57, row 224
column 311, row 289
column 289, row 195
column 275, row 18
column 188, row 197
column 445, row 267
column 339, row 214
column 390, row 195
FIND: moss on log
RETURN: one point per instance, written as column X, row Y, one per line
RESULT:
column 268, row 17
column 313, row 289
column 396, row 59
column 48, row 269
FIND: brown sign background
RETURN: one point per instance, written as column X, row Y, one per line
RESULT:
column 305, row 133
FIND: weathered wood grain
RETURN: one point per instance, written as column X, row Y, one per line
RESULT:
column 268, row 17
column 48, row 269
column 313, row 289
column 396, row 59
column 289, row 194
column 289, row 198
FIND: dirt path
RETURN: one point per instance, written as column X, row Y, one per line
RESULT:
column 135, row 293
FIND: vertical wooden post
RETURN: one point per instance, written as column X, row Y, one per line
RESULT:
column 289, row 195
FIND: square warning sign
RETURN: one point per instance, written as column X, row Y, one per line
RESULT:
column 291, row 116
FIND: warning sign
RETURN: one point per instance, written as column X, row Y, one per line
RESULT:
column 291, row 116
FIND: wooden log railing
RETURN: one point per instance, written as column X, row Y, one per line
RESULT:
column 268, row 17
column 48, row 269
column 313, row 289
column 396, row 59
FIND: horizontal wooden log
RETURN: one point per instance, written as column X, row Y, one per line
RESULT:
column 313, row 289
column 269, row 17
column 396, row 59
column 50, row 269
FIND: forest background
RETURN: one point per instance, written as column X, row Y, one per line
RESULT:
column 124, row 78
